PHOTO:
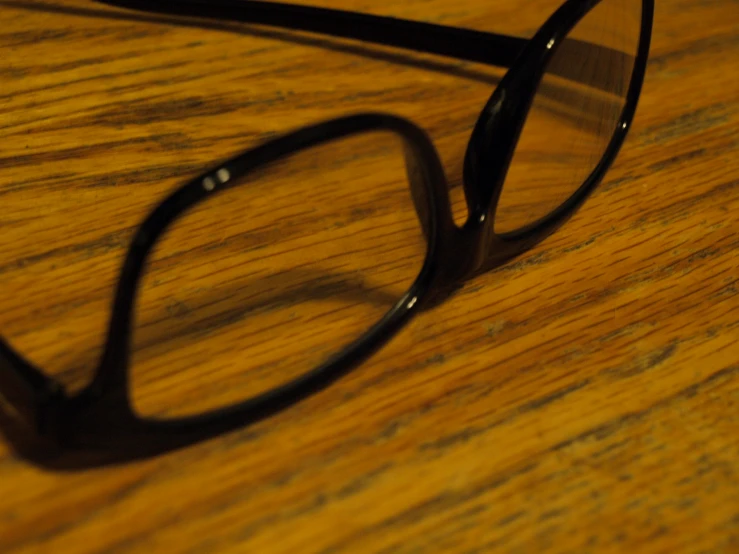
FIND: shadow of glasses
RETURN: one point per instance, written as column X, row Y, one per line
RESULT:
column 209, row 311
column 289, row 317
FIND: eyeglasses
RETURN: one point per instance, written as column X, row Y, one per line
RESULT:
column 544, row 140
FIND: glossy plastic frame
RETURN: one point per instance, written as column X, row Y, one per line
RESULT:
column 98, row 425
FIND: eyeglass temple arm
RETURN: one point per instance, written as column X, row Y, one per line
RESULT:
column 463, row 44
column 25, row 392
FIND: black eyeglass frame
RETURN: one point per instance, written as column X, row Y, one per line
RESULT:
column 99, row 426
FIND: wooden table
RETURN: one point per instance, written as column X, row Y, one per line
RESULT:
column 584, row 397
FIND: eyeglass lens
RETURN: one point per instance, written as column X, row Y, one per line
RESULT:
column 266, row 280
column 573, row 115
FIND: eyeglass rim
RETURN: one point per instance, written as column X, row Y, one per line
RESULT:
column 516, row 91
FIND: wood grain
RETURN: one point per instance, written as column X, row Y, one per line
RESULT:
column 584, row 397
